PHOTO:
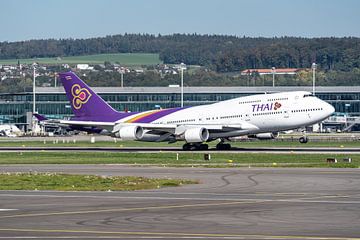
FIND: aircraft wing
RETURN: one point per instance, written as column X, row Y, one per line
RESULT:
column 179, row 129
column 165, row 128
column 70, row 123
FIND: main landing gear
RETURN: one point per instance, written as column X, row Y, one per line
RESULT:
column 202, row 146
column 195, row 146
column 223, row 146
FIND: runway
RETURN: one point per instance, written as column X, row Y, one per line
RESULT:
column 234, row 203
column 178, row 149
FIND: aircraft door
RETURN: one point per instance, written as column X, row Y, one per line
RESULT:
column 296, row 100
column 286, row 113
column 247, row 117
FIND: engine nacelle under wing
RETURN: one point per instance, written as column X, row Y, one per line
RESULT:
column 130, row 133
column 196, row 135
column 264, row 136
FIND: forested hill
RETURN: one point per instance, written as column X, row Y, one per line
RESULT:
column 219, row 53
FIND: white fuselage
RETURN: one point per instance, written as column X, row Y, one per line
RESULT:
column 253, row 114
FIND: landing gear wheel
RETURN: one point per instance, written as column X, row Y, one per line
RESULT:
column 203, row 147
column 303, row 139
column 190, row 147
column 223, row 146
column 186, row 147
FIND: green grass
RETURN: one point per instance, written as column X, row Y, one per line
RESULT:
column 5, row 142
column 297, row 144
column 185, row 159
column 123, row 58
column 67, row 182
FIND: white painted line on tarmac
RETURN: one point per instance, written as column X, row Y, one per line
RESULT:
column 7, row 209
column 315, row 199
column 304, row 199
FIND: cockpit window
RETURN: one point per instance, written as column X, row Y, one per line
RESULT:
column 308, row 95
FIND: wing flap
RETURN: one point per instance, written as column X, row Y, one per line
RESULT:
column 101, row 125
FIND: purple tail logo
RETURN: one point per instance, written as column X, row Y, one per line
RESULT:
column 80, row 96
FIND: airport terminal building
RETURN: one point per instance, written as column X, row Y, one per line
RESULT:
column 50, row 101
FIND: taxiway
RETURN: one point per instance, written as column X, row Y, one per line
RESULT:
column 234, row 203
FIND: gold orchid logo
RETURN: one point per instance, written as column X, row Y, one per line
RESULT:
column 80, row 96
column 277, row 105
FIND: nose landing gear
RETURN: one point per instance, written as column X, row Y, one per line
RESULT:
column 303, row 139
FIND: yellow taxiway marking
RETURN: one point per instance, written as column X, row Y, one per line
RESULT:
column 177, row 234
column 130, row 209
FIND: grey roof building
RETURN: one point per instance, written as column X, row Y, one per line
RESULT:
column 52, row 102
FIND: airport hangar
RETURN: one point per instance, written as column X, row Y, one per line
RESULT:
column 15, row 108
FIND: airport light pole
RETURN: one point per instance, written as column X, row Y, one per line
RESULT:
column 182, row 67
column 34, row 95
column 55, row 79
column 33, row 121
column 273, row 75
column 313, row 66
column 122, row 77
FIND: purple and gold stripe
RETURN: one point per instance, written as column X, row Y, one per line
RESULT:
column 149, row 117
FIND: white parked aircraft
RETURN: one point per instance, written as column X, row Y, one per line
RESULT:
column 262, row 116
column 9, row 130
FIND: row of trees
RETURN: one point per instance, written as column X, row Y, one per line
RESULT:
column 216, row 52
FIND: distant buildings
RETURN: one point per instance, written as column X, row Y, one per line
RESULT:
column 16, row 71
column 84, row 67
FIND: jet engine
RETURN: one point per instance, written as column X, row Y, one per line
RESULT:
column 264, row 136
column 130, row 133
column 196, row 135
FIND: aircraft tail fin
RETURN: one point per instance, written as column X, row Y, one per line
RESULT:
column 40, row 117
column 85, row 103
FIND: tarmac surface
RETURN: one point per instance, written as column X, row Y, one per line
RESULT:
column 229, row 203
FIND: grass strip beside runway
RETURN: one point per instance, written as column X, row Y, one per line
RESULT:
column 181, row 159
column 123, row 144
column 67, row 182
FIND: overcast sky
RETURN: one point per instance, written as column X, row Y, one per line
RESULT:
column 38, row 19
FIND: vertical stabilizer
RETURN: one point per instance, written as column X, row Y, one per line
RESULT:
column 85, row 103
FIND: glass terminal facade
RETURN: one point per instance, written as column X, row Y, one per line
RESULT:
column 52, row 102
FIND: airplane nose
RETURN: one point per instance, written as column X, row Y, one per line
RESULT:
column 329, row 109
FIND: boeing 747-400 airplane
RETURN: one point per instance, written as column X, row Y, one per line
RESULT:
column 261, row 116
